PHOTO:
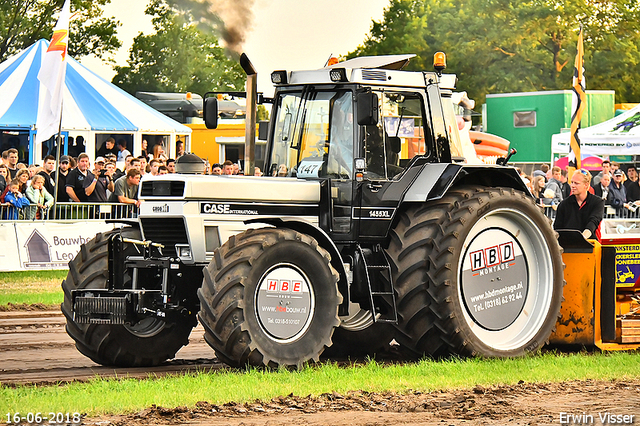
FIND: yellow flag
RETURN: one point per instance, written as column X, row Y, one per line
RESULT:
column 579, row 104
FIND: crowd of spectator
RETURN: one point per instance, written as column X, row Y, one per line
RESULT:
column 29, row 191
column 619, row 190
column 229, row 168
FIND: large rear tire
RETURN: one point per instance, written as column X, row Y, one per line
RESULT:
column 149, row 342
column 269, row 298
column 478, row 272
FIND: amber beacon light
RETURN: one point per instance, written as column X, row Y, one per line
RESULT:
column 439, row 61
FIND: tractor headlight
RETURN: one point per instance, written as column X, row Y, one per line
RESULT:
column 338, row 75
column 184, row 252
column 279, row 77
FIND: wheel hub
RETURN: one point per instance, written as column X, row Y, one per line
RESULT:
column 285, row 303
column 494, row 279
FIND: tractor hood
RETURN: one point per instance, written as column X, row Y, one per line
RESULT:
column 174, row 187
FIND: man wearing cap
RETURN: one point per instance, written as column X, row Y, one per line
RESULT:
column 98, row 165
column 582, row 210
column 617, row 197
column 96, row 185
column 63, row 172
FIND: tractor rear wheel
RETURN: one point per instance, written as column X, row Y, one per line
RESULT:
column 269, row 298
column 478, row 272
column 149, row 342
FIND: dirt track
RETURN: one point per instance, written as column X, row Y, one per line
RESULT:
column 34, row 348
column 524, row 404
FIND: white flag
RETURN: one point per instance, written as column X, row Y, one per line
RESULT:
column 52, row 73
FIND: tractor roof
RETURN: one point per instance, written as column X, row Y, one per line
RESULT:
column 366, row 70
column 388, row 62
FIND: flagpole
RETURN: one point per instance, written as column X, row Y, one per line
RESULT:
column 57, row 170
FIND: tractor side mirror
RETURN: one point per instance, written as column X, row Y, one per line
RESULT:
column 263, row 130
column 210, row 112
column 367, row 108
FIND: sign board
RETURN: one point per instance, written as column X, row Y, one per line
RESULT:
column 44, row 245
column 627, row 265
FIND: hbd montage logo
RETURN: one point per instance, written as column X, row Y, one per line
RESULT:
column 492, row 259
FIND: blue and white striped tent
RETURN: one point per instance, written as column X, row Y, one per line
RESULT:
column 91, row 105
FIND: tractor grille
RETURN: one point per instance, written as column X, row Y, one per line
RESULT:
column 374, row 75
column 166, row 231
column 100, row 310
column 162, row 189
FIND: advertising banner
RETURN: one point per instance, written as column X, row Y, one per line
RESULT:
column 45, row 245
column 9, row 256
column 627, row 265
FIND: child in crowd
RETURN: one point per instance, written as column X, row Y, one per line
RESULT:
column 14, row 197
column 41, row 201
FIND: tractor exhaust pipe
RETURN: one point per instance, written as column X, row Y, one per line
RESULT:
column 251, row 114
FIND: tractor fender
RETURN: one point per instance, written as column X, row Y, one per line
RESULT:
column 435, row 180
column 325, row 241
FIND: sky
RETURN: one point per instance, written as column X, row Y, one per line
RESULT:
column 285, row 35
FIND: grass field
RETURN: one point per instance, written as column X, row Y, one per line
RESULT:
column 122, row 395
column 31, row 287
column 101, row 396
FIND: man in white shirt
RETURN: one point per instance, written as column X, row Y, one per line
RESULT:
column 123, row 151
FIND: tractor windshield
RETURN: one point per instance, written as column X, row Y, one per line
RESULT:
column 313, row 135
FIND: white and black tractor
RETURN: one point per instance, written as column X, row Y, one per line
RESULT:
column 367, row 226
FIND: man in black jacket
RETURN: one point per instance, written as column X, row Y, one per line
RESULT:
column 631, row 184
column 601, row 189
column 61, row 176
column 581, row 211
column 47, row 172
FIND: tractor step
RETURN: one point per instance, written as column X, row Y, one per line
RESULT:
column 630, row 330
column 380, row 281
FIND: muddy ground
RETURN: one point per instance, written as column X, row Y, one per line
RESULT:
column 522, row 404
column 35, row 349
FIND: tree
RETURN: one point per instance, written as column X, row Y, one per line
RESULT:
column 23, row 22
column 499, row 46
column 177, row 58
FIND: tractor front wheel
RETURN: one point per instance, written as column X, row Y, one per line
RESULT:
column 269, row 298
column 149, row 342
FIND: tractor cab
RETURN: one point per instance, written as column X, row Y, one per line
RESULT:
column 359, row 126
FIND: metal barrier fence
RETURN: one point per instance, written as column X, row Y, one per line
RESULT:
column 69, row 212
column 103, row 211
column 609, row 213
